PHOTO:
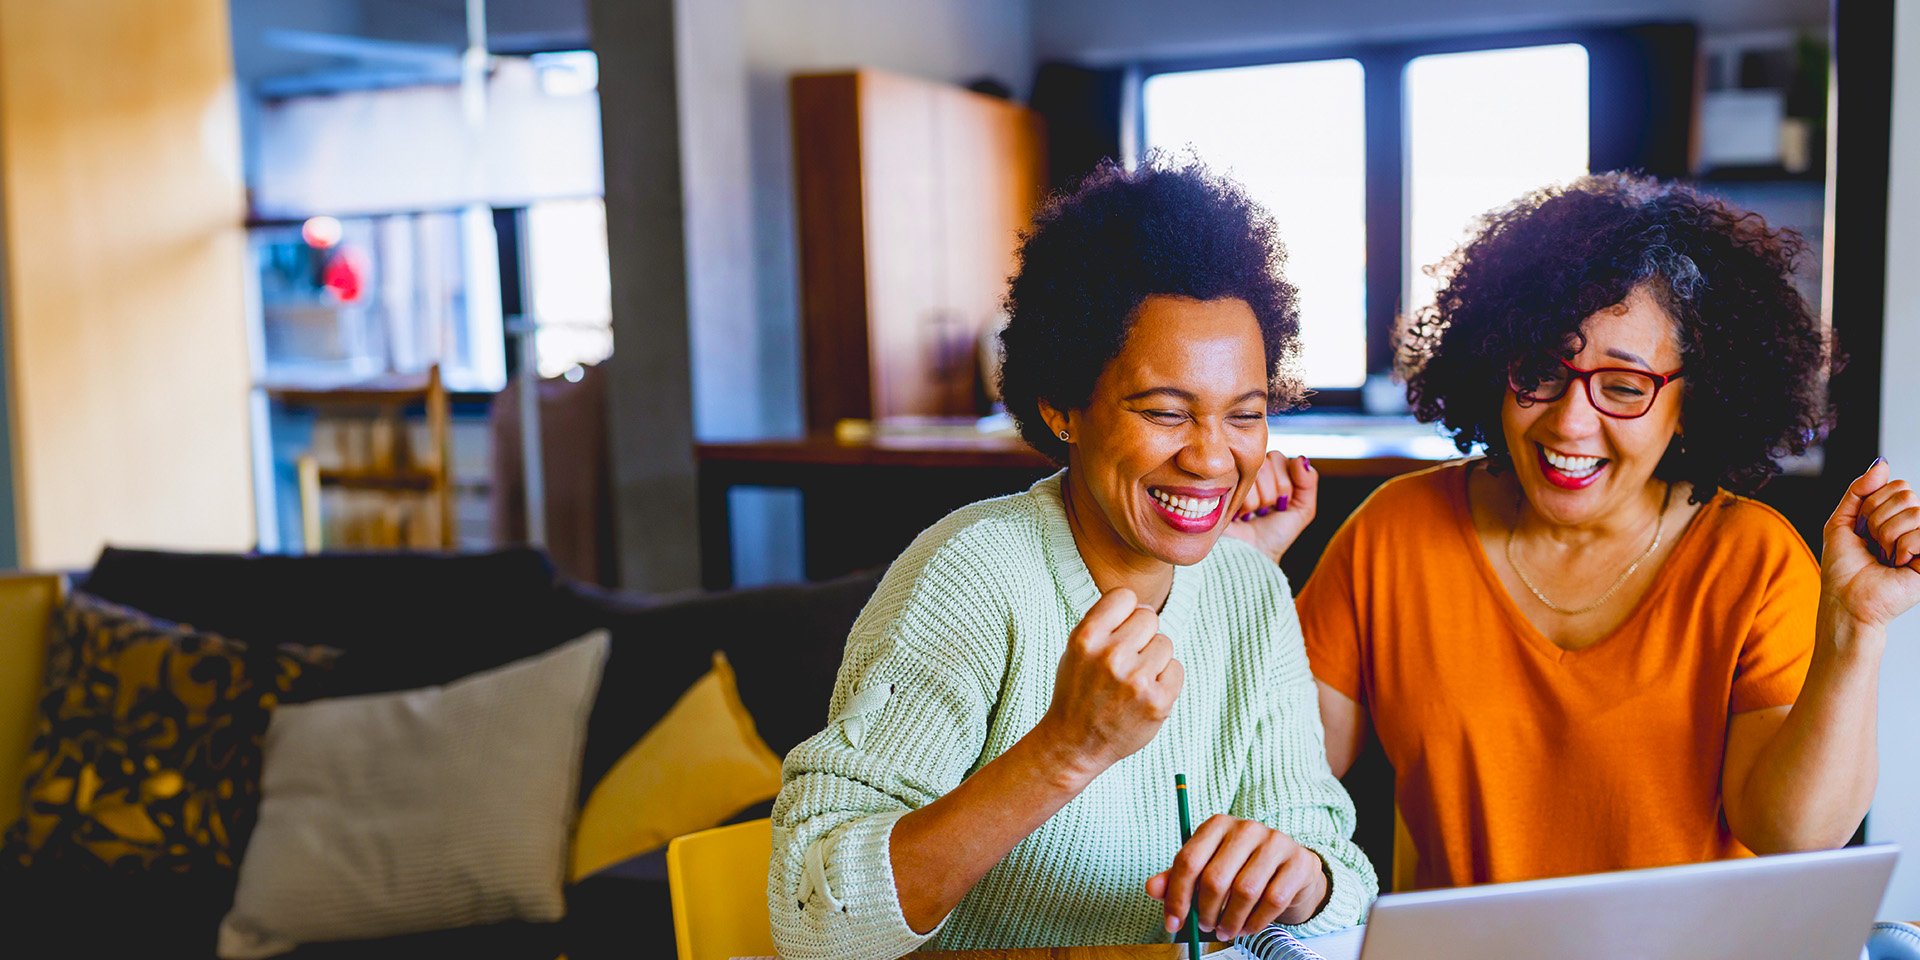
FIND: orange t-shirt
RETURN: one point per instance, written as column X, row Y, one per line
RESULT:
column 1516, row 759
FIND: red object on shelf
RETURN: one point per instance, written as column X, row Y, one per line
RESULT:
column 343, row 274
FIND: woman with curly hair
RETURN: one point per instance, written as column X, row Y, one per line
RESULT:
column 1014, row 703
column 1586, row 649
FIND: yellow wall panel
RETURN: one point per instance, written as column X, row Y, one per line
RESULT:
column 125, row 256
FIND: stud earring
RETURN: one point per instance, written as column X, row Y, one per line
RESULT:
column 1063, row 435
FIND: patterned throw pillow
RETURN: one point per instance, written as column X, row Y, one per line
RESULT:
column 147, row 748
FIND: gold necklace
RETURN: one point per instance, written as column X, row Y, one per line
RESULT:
column 1659, row 525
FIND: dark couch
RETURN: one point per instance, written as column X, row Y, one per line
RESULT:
column 411, row 620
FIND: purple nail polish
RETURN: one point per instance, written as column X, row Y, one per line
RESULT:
column 1244, row 517
column 1282, row 505
column 1876, row 462
column 1306, row 462
column 1263, row 511
column 1873, row 546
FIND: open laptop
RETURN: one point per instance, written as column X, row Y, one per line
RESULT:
column 1800, row 906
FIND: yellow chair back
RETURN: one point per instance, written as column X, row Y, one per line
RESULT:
column 27, row 603
column 1405, row 856
column 718, row 880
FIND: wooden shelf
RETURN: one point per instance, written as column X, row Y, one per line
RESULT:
column 383, row 402
column 398, row 480
column 389, row 391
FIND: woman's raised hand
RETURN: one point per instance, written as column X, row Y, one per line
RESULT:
column 1880, row 514
column 1278, row 506
column 1116, row 684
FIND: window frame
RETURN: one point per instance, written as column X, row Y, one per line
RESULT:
column 1614, row 139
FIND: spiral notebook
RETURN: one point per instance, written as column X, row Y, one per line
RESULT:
column 1274, row 943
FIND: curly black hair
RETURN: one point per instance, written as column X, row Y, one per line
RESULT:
column 1169, row 228
column 1752, row 349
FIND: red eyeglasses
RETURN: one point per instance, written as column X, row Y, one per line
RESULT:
column 1622, row 393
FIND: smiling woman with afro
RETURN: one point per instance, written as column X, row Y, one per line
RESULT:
column 1586, row 650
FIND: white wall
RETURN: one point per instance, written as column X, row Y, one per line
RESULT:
column 410, row 148
column 253, row 58
column 1099, row 31
column 743, row 284
column 1896, row 805
column 512, row 25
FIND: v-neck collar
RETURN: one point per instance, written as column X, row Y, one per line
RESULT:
column 1075, row 581
column 1533, row 635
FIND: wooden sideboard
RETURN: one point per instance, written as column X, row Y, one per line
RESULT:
column 864, row 500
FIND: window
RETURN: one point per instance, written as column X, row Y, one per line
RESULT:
column 570, row 290
column 1294, row 135
column 1375, row 161
column 1482, row 128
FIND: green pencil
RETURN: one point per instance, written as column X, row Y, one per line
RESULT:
column 1191, row 930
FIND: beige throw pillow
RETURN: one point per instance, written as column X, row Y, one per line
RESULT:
column 420, row 810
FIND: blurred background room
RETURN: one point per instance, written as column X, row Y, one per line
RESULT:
column 700, row 295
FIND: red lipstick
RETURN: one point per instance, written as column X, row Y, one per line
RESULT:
column 1182, row 522
column 1561, row 480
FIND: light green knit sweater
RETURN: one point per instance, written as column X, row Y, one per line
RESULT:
column 953, row 660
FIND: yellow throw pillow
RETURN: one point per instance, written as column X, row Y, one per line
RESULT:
column 702, row 763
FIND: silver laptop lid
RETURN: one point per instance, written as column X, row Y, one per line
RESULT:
column 1800, row 906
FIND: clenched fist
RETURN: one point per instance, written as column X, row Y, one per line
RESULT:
column 1116, row 684
column 1870, row 560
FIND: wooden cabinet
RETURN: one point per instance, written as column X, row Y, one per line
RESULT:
column 911, row 198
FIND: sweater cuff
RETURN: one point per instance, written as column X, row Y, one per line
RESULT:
column 1346, row 902
column 862, row 881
